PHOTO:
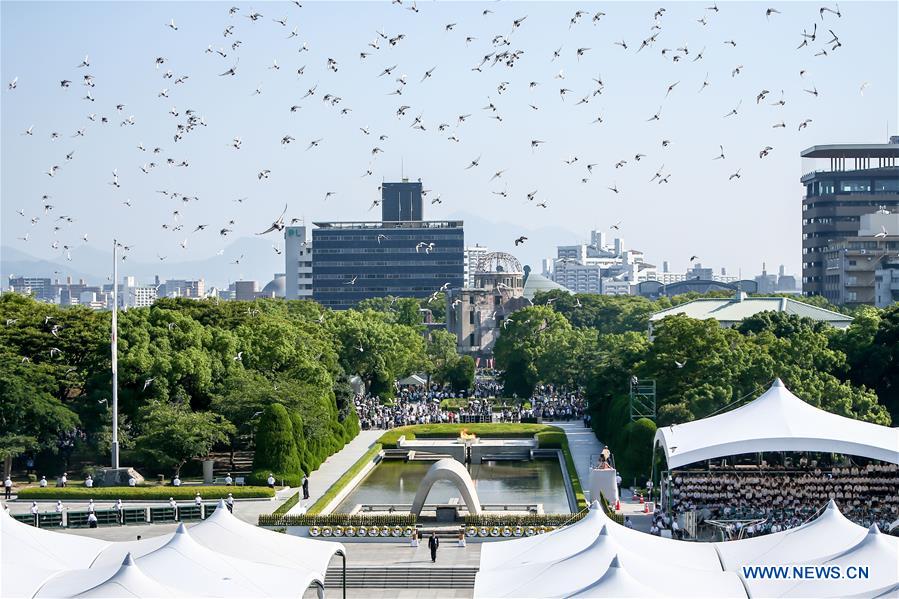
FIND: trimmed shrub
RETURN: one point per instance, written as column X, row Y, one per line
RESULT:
column 299, row 439
column 147, row 493
column 635, row 458
column 276, row 450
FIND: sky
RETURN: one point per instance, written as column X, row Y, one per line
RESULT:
column 737, row 223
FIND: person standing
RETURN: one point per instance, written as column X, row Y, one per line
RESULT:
column 34, row 512
column 176, row 482
column 64, row 479
column 7, row 487
column 433, row 544
column 43, row 482
column 89, row 482
column 120, row 510
column 271, row 481
column 228, row 480
column 230, row 503
column 305, row 487
column 174, row 505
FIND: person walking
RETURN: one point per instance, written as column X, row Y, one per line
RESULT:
column 433, row 544
column 305, row 487
column 7, row 487
column 64, row 479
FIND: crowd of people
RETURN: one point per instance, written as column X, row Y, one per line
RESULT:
column 426, row 405
column 785, row 499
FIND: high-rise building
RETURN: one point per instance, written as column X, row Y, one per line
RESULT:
column 195, row 289
column 297, row 263
column 401, row 201
column 845, row 182
column 353, row 261
column 473, row 254
column 38, row 287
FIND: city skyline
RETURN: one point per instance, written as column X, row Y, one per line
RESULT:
column 672, row 221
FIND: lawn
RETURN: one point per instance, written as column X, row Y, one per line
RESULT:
column 146, row 493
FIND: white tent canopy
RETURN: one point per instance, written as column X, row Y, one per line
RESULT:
column 598, row 557
column 219, row 557
column 415, row 380
column 776, row 421
column 825, row 536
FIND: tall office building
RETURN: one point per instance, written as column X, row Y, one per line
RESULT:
column 845, row 182
column 473, row 254
column 401, row 201
column 353, row 261
column 297, row 263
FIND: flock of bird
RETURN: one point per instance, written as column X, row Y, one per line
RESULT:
column 501, row 53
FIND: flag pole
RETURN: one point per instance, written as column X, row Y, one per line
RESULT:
column 115, row 354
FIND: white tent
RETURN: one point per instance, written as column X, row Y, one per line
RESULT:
column 579, row 561
column 129, row 581
column 220, row 557
column 226, row 534
column 825, row 536
column 30, row 556
column 194, row 570
column 776, row 421
column 878, row 552
column 569, row 575
column 616, row 582
column 415, row 380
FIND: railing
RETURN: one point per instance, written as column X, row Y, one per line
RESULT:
column 337, row 520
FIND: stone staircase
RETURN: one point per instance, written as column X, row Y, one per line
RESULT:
column 242, row 466
column 423, row 577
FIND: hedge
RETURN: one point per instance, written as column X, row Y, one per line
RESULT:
column 338, row 520
column 276, row 450
column 499, row 430
column 148, row 493
column 522, row 519
column 341, row 482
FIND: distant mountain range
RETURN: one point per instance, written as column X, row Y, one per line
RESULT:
column 259, row 262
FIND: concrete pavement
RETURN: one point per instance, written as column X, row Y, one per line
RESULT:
column 333, row 468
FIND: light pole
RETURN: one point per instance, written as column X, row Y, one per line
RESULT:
column 115, row 354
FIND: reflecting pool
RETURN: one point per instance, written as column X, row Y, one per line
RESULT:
column 512, row 482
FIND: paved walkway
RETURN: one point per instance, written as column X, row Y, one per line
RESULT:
column 583, row 445
column 333, row 468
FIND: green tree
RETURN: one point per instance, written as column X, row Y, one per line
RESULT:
column 30, row 416
column 172, row 434
column 634, row 456
column 460, row 373
column 276, row 448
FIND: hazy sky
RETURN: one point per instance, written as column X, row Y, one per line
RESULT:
column 734, row 223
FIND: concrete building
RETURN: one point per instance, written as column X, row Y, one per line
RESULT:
column 297, row 263
column 475, row 315
column 842, row 182
column 245, row 291
column 277, row 287
column 731, row 311
column 655, row 289
column 886, row 283
column 37, row 287
column 852, row 264
column 138, row 296
column 473, row 254
column 195, row 289
column 599, row 266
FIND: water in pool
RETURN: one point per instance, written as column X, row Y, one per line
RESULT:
column 518, row 482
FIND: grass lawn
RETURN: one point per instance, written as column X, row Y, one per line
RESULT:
column 147, row 493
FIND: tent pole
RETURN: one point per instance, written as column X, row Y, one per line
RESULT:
column 343, row 573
